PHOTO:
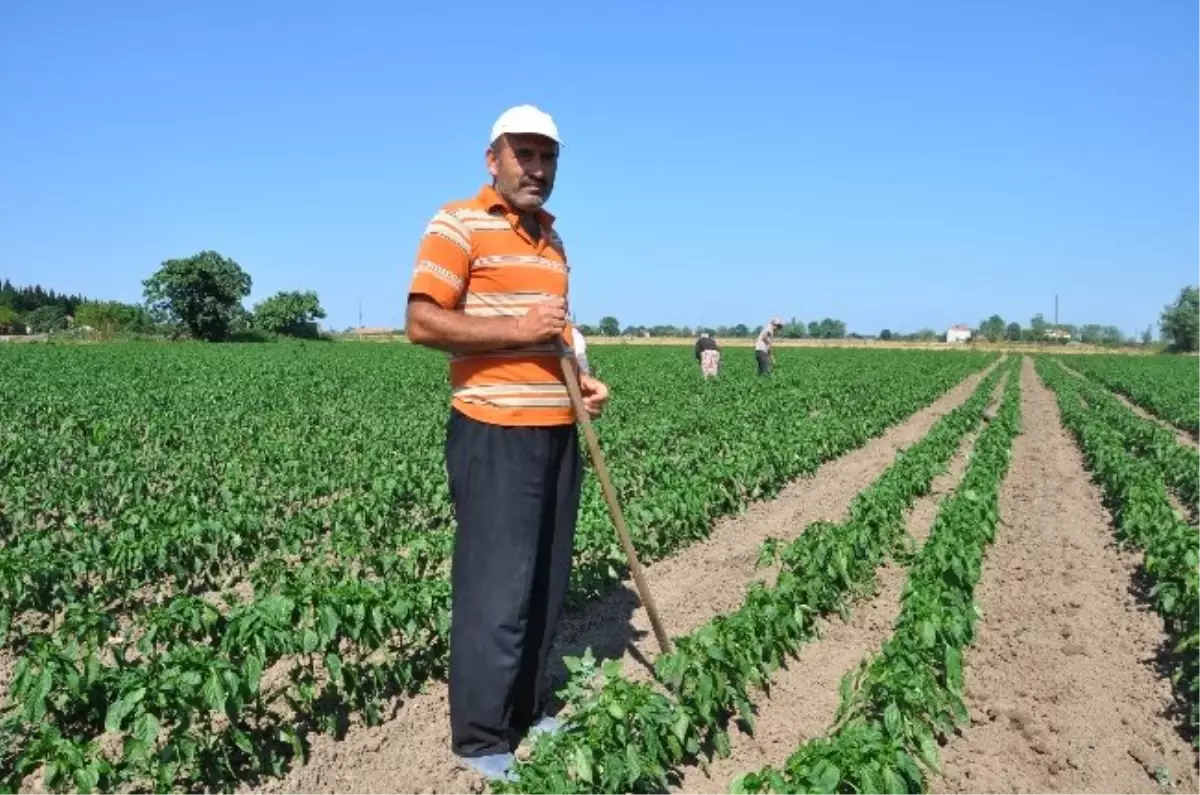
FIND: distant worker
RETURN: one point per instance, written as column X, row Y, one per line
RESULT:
column 762, row 346
column 580, row 346
column 709, row 355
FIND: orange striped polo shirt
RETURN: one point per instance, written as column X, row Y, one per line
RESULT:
column 475, row 258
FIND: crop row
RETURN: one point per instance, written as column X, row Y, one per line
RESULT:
column 1166, row 386
column 1135, row 494
column 1178, row 464
column 626, row 736
column 896, row 706
column 349, row 600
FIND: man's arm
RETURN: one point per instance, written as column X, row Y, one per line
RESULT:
column 440, row 279
column 431, row 325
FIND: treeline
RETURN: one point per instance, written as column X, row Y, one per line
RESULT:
column 36, row 310
column 198, row 297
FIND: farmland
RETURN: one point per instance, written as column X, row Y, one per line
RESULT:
column 225, row 567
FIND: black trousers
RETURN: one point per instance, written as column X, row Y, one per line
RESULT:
column 516, row 497
column 764, row 362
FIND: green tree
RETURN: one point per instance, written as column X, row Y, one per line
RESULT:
column 201, row 292
column 992, row 329
column 1148, row 336
column 293, row 314
column 10, row 320
column 50, row 317
column 1180, row 322
column 1012, row 332
column 830, row 329
column 793, row 330
column 610, row 326
column 1038, row 326
column 886, row 334
column 110, row 317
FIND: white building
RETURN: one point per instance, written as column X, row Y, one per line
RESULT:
column 958, row 333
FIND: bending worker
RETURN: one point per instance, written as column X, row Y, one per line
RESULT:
column 762, row 346
column 709, row 354
column 490, row 287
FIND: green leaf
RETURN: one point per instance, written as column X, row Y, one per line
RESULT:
column 146, row 728
column 929, row 753
column 892, row 783
column 583, row 764
column 214, row 692
column 892, row 721
column 680, row 727
column 119, row 709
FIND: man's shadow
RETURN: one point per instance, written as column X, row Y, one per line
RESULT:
column 603, row 624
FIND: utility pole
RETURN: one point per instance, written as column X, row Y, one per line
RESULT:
column 1056, row 309
column 360, row 313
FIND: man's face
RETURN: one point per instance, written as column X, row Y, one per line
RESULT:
column 523, row 167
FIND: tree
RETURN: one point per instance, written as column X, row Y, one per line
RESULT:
column 609, row 326
column 992, row 329
column 828, row 329
column 50, row 317
column 10, row 321
column 1038, row 326
column 886, row 334
column 1180, row 322
column 793, row 330
column 1096, row 334
column 110, row 317
column 1013, row 332
column 1148, row 336
column 201, row 292
column 293, row 314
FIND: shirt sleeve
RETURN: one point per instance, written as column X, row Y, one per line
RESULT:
column 443, row 261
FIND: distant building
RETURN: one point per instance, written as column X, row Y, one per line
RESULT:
column 1058, row 334
column 958, row 333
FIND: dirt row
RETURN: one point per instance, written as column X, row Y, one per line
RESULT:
column 411, row 752
column 1063, row 684
column 1063, row 687
column 804, row 695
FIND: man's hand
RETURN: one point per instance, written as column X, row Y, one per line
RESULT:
column 544, row 321
column 595, row 395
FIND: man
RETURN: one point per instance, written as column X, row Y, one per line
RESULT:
column 490, row 288
column 709, row 355
column 762, row 346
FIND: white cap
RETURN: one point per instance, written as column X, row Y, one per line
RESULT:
column 525, row 119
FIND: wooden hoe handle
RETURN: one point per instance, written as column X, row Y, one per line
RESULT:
column 610, row 494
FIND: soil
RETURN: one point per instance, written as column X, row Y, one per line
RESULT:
column 1062, row 682
column 804, row 695
column 411, row 751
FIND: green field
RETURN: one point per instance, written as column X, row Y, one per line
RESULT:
column 208, row 550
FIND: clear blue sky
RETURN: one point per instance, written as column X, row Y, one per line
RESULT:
column 890, row 164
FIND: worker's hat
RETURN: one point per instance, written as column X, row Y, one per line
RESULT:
column 528, row 120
